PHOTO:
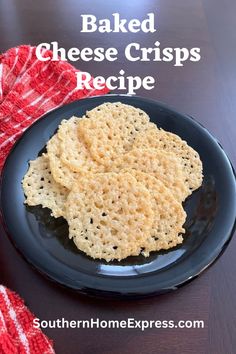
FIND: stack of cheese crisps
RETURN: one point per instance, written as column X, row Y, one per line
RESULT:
column 118, row 180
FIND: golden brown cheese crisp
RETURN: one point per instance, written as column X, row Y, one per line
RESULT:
column 110, row 129
column 41, row 188
column 169, row 215
column 110, row 215
column 163, row 165
column 62, row 174
column 74, row 152
column 190, row 160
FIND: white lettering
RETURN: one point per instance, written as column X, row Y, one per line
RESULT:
column 128, row 49
column 55, row 52
column 38, row 51
column 195, row 54
column 36, row 323
column 181, row 54
column 147, row 81
column 148, row 25
column 83, row 79
column 88, row 23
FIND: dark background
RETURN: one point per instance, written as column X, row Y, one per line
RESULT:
column 205, row 90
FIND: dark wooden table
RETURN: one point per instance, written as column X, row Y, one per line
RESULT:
column 205, row 90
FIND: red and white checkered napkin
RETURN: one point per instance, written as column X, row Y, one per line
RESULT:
column 29, row 88
column 17, row 334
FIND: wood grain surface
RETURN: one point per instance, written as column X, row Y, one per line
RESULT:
column 205, row 90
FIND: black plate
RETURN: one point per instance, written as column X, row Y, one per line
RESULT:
column 43, row 240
